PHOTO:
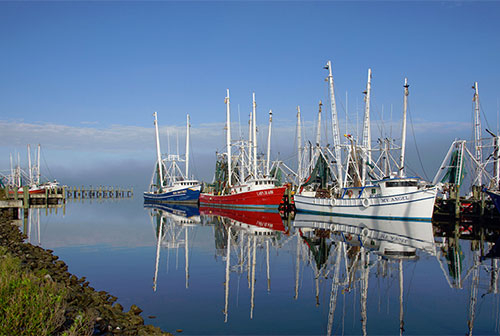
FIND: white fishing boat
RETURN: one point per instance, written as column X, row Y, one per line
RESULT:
column 168, row 182
column 390, row 198
column 358, row 187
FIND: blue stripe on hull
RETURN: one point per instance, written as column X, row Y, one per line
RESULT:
column 329, row 212
column 417, row 219
column 185, row 196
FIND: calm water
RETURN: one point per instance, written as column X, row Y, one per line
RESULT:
column 240, row 273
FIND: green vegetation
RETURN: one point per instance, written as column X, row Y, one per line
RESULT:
column 32, row 304
column 29, row 304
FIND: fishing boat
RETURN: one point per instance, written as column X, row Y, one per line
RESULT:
column 238, row 182
column 20, row 180
column 358, row 187
column 168, row 182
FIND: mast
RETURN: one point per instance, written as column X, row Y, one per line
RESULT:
column 367, row 157
column 335, row 124
column 250, row 145
column 228, row 139
column 187, row 147
column 269, row 141
column 477, row 134
column 38, row 166
column 318, row 128
column 158, row 153
column 403, row 131
column 29, row 164
column 299, row 145
column 254, row 131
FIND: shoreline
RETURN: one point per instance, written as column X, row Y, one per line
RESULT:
column 110, row 319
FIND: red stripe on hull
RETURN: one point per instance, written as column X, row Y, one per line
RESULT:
column 265, row 198
column 267, row 220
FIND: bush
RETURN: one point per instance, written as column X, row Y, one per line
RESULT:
column 29, row 305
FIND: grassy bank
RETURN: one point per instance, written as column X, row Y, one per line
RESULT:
column 33, row 304
column 38, row 296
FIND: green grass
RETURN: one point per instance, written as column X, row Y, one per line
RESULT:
column 29, row 304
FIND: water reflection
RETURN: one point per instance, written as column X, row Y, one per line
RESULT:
column 171, row 224
column 347, row 249
column 350, row 261
column 241, row 233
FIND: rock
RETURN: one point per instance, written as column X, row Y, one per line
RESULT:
column 135, row 310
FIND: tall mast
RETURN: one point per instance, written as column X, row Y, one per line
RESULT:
column 335, row 124
column 269, row 141
column 477, row 134
column 228, row 138
column 299, row 145
column 158, row 153
column 12, row 174
column 187, row 146
column 318, row 128
column 29, row 165
column 403, row 131
column 38, row 166
column 366, row 128
column 254, row 130
column 250, row 145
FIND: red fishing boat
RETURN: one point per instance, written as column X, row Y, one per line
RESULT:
column 241, row 180
column 256, row 194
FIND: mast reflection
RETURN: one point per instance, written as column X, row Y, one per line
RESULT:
column 362, row 244
column 171, row 223
column 242, row 233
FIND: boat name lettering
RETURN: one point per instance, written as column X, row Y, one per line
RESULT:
column 394, row 199
column 265, row 192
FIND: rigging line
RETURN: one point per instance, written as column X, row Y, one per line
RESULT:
column 484, row 114
column 47, row 167
column 416, row 146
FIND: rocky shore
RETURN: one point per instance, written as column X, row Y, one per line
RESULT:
column 107, row 316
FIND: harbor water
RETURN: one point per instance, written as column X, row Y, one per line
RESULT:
column 207, row 272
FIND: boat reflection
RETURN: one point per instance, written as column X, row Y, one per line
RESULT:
column 239, row 235
column 363, row 245
column 171, row 224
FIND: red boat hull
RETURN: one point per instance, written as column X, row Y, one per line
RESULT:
column 260, row 199
column 266, row 220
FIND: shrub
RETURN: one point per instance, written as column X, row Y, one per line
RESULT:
column 29, row 305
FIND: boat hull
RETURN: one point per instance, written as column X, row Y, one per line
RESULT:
column 265, row 199
column 413, row 206
column 383, row 235
column 184, row 195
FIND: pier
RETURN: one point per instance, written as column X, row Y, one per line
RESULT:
column 100, row 192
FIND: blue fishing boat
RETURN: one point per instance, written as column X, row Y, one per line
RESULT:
column 169, row 183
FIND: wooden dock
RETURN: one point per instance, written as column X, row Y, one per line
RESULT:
column 100, row 192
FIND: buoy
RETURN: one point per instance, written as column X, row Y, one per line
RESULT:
column 365, row 202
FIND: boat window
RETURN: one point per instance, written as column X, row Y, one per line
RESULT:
column 374, row 191
column 401, row 184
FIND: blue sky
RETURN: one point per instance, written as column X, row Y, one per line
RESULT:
column 83, row 78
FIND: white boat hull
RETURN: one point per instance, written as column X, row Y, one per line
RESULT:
column 383, row 235
column 417, row 206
